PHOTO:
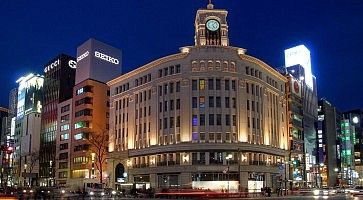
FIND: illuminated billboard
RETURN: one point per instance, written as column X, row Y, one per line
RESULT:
column 29, row 95
column 300, row 55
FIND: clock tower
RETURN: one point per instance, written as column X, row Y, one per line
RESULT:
column 211, row 27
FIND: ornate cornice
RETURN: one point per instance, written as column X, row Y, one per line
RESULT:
column 147, row 67
column 263, row 65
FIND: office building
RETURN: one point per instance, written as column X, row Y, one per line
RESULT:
column 58, row 87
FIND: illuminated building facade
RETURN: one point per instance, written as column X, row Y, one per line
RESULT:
column 27, row 129
column 347, row 141
column 210, row 116
column 355, row 117
column 58, row 87
column 86, row 115
column 328, row 152
column 298, row 64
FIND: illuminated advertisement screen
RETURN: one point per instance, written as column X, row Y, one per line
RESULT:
column 21, row 100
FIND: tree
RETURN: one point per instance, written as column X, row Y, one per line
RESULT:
column 98, row 141
column 31, row 159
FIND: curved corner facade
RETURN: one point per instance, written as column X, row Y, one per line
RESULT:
column 209, row 115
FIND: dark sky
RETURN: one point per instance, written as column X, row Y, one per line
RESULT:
column 33, row 32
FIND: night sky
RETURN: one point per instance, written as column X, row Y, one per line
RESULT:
column 33, row 32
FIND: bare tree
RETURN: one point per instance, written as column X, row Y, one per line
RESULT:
column 31, row 160
column 98, row 141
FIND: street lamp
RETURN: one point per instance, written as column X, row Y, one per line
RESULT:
column 228, row 158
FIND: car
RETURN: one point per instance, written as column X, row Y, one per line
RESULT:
column 357, row 190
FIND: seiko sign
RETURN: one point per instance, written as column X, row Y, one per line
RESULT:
column 106, row 58
column 51, row 66
column 85, row 54
column 72, row 64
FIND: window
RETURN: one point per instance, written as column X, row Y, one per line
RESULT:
column 211, row 136
column 63, row 174
column 165, row 88
column 165, row 123
column 234, row 120
column 211, row 101
column 234, row 103
column 253, row 105
column 178, row 86
column 171, row 88
column 234, row 85
column 86, row 100
column 195, row 120
column 63, row 165
column 171, row 122
column 178, row 104
column 160, row 73
column 210, row 84
column 247, row 88
column 228, row 120
column 218, row 84
column 160, row 108
column 80, row 136
column 80, row 159
column 85, row 112
column 166, row 71
column 201, row 84
column 248, row 104
column 202, row 119
column 63, row 156
column 201, row 102
column 226, row 101
column 84, row 89
column 165, row 106
column 171, row 106
column 65, row 108
column 64, row 127
column 178, row 121
column 194, row 85
column 219, row 119
column 177, row 68
column 194, row 102
column 211, row 119
column 64, row 118
column 247, row 70
column 160, row 90
column 64, row 137
column 226, row 84
column 172, row 71
column 63, row 146
column 218, row 102
column 82, row 124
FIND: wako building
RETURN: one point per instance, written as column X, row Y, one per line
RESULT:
column 207, row 117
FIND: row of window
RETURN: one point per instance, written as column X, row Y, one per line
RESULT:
column 84, row 112
column 213, row 102
column 169, row 88
column 119, row 119
column 138, row 112
column 255, row 122
column 213, row 84
column 122, row 88
column 254, row 106
column 212, row 137
column 174, row 69
column 214, row 119
column 142, row 80
column 170, row 122
column 164, row 107
column 253, row 72
column 255, row 89
column 139, row 128
column 86, row 100
column 142, row 96
column 122, row 103
column 84, row 89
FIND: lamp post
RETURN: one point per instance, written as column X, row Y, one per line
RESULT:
column 228, row 158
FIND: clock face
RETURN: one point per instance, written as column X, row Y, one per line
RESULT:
column 212, row 25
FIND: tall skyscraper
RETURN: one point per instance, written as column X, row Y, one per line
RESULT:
column 58, row 87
